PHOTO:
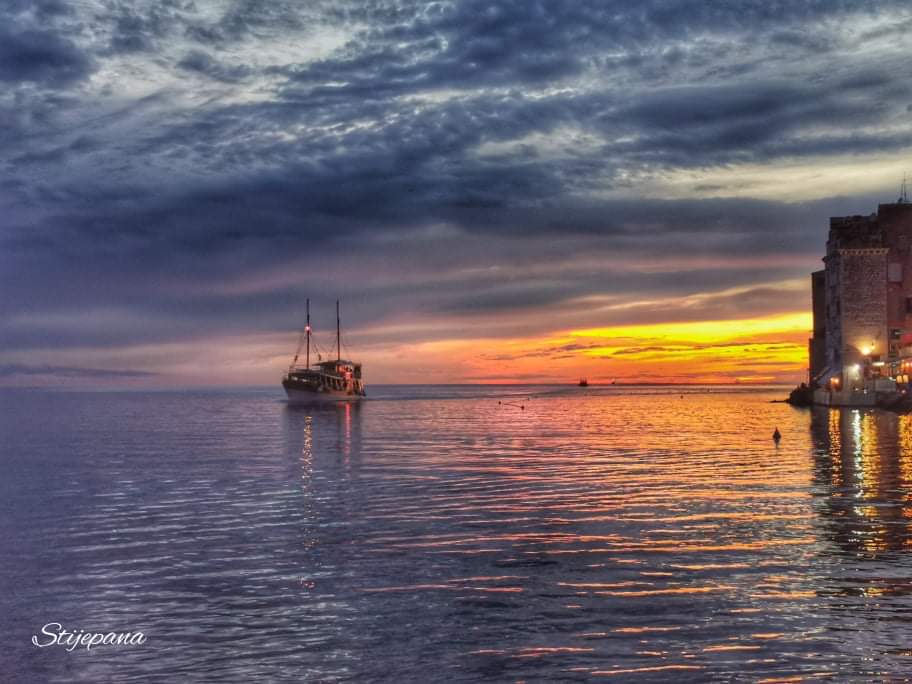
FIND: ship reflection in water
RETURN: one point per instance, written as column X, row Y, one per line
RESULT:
column 443, row 533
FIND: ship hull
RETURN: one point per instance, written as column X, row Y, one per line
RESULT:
column 305, row 396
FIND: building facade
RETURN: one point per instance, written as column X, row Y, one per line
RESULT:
column 862, row 300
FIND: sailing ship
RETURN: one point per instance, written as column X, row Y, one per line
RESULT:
column 336, row 380
column 583, row 382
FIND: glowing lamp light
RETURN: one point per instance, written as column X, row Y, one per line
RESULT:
column 307, row 329
column 865, row 351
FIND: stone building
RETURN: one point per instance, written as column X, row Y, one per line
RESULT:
column 817, row 344
column 862, row 299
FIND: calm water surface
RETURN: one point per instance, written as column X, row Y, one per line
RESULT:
column 446, row 534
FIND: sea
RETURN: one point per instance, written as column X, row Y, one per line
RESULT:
column 453, row 534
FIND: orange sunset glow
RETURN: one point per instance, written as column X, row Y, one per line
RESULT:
column 759, row 350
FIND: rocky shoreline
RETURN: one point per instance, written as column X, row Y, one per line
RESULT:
column 803, row 395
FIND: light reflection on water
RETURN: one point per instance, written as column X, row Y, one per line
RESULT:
column 434, row 532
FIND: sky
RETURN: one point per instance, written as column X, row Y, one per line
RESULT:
column 518, row 191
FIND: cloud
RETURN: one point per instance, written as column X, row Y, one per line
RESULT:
column 142, row 28
column 39, row 56
column 411, row 47
column 205, row 166
column 9, row 370
column 203, row 63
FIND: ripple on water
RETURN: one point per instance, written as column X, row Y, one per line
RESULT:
column 634, row 535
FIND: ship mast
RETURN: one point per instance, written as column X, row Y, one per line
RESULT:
column 338, row 334
column 304, row 335
column 307, row 330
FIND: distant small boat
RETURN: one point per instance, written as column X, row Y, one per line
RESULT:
column 583, row 382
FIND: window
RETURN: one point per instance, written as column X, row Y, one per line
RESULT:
column 909, row 305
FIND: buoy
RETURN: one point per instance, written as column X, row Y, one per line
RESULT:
column 777, row 435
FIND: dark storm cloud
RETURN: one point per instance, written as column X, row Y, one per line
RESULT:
column 243, row 18
column 494, row 296
column 270, row 216
column 432, row 139
column 203, row 63
column 145, row 27
column 758, row 121
column 408, row 47
column 38, row 56
column 79, row 146
column 135, row 30
column 44, row 9
column 421, row 164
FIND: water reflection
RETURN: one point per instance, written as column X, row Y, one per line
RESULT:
column 862, row 473
column 448, row 534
